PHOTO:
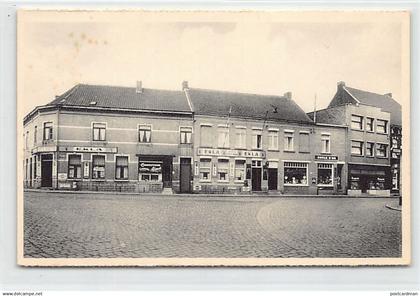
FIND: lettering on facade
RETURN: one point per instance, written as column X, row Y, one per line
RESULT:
column 230, row 152
column 62, row 176
column 90, row 149
column 326, row 157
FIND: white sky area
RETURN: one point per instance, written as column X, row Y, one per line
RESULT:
column 263, row 57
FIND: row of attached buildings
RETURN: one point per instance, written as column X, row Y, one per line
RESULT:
column 107, row 138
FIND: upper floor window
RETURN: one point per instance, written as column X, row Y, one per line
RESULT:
column 48, row 130
column 288, row 140
column 223, row 137
column 121, row 167
column 99, row 131
column 98, row 167
column 145, row 133
column 369, row 124
column 381, row 150
column 27, row 140
column 357, row 148
column 206, row 139
column 304, row 141
column 240, row 137
column 370, row 149
column 357, row 122
column 382, row 126
column 326, row 143
column 185, row 135
column 273, row 140
column 35, row 134
column 256, row 139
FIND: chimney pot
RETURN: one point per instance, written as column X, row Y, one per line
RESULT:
column 341, row 84
column 184, row 85
column 389, row 94
column 139, row 87
column 288, row 95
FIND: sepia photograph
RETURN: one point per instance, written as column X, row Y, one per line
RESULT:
column 210, row 138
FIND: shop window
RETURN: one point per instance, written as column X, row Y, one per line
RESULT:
column 223, row 169
column 325, row 143
column 325, row 174
column 288, row 141
column 205, row 169
column 303, row 142
column 357, row 148
column 75, row 166
column 35, row 135
column 381, row 150
column 121, row 167
column 99, row 130
column 223, row 137
column 239, row 170
column 256, row 139
column 48, row 131
column 370, row 148
column 273, row 140
column 357, row 122
column 295, row 173
column 206, row 139
column 185, row 134
column 369, row 124
column 150, row 171
column 98, row 167
column 145, row 133
column 382, row 126
column 240, row 137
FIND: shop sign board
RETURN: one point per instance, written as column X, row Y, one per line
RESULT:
column 41, row 149
column 86, row 169
column 326, row 157
column 62, row 176
column 230, row 152
column 89, row 149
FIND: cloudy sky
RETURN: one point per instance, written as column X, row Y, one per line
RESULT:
column 304, row 54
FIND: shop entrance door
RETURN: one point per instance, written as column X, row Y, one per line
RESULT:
column 46, row 170
column 272, row 179
column 185, row 175
column 256, row 179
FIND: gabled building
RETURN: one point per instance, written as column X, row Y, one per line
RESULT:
column 373, row 138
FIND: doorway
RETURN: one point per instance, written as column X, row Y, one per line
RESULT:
column 272, row 179
column 46, row 170
column 185, row 175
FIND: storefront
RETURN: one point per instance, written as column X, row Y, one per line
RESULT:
column 154, row 172
column 366, row 179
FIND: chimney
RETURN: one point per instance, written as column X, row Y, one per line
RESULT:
column 139, row 88
column 184, row 85
column 288, row 95
column 340, row 84
column 389, row 95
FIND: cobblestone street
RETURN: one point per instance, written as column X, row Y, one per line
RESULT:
column 92, row 225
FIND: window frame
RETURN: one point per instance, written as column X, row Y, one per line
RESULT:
column 93, row 156
column 238, row 168
column 150, row 130
column 273, row 139
column 223, row 135
column 225, row 170
column 286, row 141
column 257, row 134
column 209, row 128
column 331, row 168
column 385, row 126
column 200, row 168
column 50, row 131
column 285, row 166
column 116, row 166
column 100, row 131
column 377, row 149
column 372, row 125
column 361, row 148
column 326, row 137
column 181, row 132
column 360, row 123
column 240, row 130
column 373, row 149
column 68, row 166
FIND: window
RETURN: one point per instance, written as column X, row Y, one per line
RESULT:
column 98, row 167
column 288, row 141
column 75, row 166
column 357, row 148
column 145, row 133
column 273, row 140
column 223, row 137
column 303, row 142
column 370, row 149
column 240, row 137
column 223, row 169
column 382, row 126
column 295, row 173
column 357, row 122
column 325, row 143
column 381, row 150
column 206, row 139
column 48, row 131
column 325, row 174
column 121, row 167
column 205, row 169
column 185, row 135
column 27, row 140
column 256, row 139
column 99, row 131
column 150, row 171
column 369, row 124
column 35, row 135
column 239, row 170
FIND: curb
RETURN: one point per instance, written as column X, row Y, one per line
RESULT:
column 398, row 208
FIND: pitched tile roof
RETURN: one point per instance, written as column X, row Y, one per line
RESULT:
column 218, row 103
column 385, row 102
column 124, row 98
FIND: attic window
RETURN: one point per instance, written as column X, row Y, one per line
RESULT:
column 63, row 100
column 92, row 103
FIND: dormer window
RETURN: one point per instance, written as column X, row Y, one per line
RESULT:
column 92, row 103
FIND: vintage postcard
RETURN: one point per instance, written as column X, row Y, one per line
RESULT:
column 210, row 138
